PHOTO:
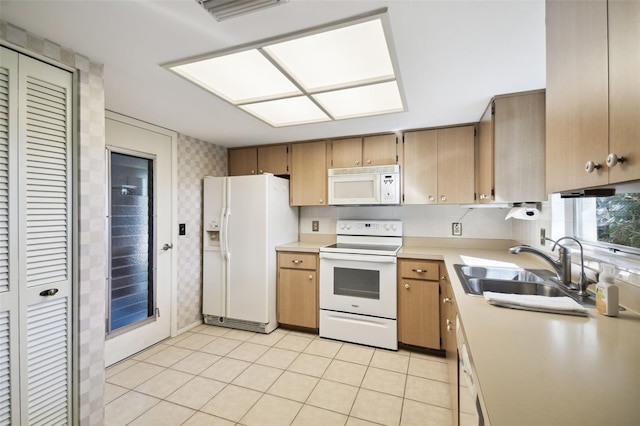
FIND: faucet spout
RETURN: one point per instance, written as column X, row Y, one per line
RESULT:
column 562, row 266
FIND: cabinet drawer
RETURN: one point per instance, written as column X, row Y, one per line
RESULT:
column 297, row 260
column 420, row 270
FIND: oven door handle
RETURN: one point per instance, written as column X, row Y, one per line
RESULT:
column 359, row 257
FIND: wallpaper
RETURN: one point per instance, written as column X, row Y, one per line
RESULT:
column 196, row 159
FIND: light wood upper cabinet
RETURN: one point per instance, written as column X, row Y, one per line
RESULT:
column 264, row 159
column 273, row 159
column 439, row 166
column 624, row 88
column 363, row 151
column 420, row 167
column 593, row 63
column 379, row 150
column 346, row 153
column 419, row 303
column 298, row 289
column 511, row 149
column 243, row 161
column 308, row 185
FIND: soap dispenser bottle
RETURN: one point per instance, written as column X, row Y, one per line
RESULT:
column 607, row 293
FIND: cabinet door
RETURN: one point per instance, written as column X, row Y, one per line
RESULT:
column 456, row 165
column 577, row 94
column 485, row 163
column 297, row 297
column 624, row 88
column 273, row 159
column 419, row 313
column 308, row 174
column 519, row 161
column 379, row 150
column 420, row 171
column 346, row 153
column 243, row 161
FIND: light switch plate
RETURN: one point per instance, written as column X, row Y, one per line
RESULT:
column 456, row 228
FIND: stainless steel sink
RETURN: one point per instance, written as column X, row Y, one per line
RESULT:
column 480, row 285
column 499, row 273
column 478, row 279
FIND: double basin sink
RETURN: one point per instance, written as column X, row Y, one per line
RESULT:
column 478, row 279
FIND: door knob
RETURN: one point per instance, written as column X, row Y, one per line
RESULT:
column 167, row 247
column 590, row 166
column 613, row 159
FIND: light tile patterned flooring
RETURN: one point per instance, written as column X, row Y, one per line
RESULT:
column 219, row 376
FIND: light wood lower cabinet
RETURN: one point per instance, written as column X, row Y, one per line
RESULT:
column 419, row 303
column 298, row 289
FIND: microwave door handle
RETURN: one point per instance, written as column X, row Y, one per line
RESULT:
column 359, row 257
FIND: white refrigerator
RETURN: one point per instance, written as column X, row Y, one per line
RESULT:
column 244, row 219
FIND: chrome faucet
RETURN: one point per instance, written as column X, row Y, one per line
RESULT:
column 583, row 281
column 562, row 266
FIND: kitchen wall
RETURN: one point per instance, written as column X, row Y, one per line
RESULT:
column 196, row 159
column 418, row 221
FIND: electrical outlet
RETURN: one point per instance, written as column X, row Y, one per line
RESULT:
column 543, row 236
column 456, row 228
column 315, row 225
column 182, row 229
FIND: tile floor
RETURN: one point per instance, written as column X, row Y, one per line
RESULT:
column 219, row 376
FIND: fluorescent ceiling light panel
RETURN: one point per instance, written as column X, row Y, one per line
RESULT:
column 239, row 77
column 374, row 99
column 287, row 112
column 346, row 71
column 338, row 58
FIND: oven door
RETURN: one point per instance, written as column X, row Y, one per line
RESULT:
column 359, row 284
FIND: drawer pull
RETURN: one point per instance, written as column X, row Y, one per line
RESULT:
column 420, row 271
column 297, row 262
column 446, row 300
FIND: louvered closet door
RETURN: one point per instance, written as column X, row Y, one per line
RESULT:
column 9, row 290
column 44, row 200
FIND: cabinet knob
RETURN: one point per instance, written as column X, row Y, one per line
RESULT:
column 368, row 161
column 260, row 171
column 320, row 201
column 613, row 159
column 253, row 172
column 446, row 300
column 297, row 262
column 443, row 198
column 449, row 325
column 419, row 271
column 406, row 286
column 443, row 278
column 310, row 276
column 590, row 166
column 357, row 162
column 431, row 198
column 483, row 196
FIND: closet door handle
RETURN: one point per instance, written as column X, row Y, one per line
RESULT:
column 49, row 292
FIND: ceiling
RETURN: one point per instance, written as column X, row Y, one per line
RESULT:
column 453, row 56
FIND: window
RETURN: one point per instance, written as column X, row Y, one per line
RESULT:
column 609, row 222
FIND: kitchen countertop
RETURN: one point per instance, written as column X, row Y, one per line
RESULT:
column 302, row 246
column 540, row 368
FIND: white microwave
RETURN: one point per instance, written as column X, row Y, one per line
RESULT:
column 377, row 185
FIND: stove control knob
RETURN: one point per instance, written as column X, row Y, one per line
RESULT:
column 394, row 227
column 348, row 226
column 386, row 226
column 342, row 226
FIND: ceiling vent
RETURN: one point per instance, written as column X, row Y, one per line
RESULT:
column 222, row 10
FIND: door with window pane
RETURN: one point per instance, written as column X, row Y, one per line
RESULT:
column 139, row 209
